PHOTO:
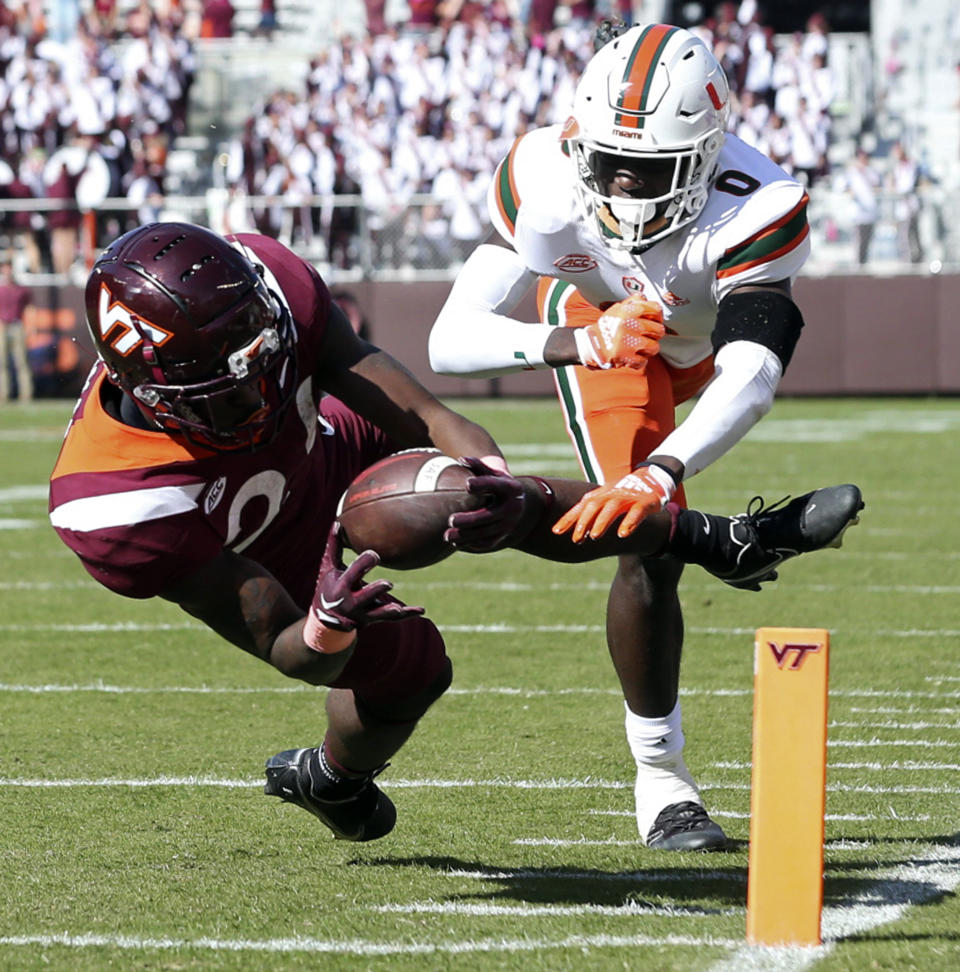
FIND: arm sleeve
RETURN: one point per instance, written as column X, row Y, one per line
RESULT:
column 472, row 334
column 739, row 395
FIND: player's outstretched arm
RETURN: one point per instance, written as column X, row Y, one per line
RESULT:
column 648, row 539
column 519, row 512
column 743, row 551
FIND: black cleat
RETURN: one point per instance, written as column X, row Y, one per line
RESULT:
column 354, row 810
column 761, row 539
column 685, row 826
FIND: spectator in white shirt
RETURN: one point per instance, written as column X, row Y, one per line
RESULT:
column 861, row 181
column 904, row 182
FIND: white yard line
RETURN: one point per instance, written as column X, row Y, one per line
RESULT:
column 520, row 587
column 854, row 817
column 890, row 724
column 628, row 909
column 504, row 690
column 932, row 872
column 908, row 743
column 909, row 765
column 491, row 629
column 636, row 878
column 842, row 844
column 848, row 788
column 362, row 947
column 588, row 783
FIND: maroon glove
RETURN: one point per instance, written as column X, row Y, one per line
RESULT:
column 505, row 516
column 342, row 602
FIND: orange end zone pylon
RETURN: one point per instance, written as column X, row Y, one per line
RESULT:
column 788, row 789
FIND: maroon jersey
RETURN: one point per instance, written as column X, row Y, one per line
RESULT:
column 14, row 300
column 143, row 509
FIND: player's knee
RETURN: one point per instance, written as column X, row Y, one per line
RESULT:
column 398, row 676
column 411, row 707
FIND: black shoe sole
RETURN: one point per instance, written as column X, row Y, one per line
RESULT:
column 709, row 839
column 685, row 832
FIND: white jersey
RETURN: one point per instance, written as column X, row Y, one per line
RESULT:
column 752, row 230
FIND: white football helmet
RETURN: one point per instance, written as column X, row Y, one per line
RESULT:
column 656, row 95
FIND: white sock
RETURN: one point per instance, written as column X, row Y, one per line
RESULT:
column 662, row 775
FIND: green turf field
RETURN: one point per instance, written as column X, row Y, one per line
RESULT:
column 135, row 834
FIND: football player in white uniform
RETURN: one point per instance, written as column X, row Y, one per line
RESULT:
column 665, row 250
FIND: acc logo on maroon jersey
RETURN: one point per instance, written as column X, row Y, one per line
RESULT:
column 214, row 495
column 576, row 263
column 632, row 285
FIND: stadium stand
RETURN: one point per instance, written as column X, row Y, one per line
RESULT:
column 370, row 153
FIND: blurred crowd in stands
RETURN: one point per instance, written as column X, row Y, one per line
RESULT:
column 82, row 119
column 406, row 122
column 430, row 107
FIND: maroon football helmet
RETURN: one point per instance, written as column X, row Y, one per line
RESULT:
column 188, row 328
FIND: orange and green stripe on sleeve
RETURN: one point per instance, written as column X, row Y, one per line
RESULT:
column 508, row 199
column 770, row 243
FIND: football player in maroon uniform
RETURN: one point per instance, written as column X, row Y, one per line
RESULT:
column 231, row 406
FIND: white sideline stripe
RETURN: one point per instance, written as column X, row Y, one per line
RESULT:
column 919, row 743
column 361, row 947
column 519, row 587
column 933, row 872
column 577, row 842
column 907, row 764
column 48, row 585
column 895, row 710
column 849, row 788
column 849, row 817
column 616, row 842
column 100, row 627
column 13, row 494
column 31, row 435
column 481, row 909
column 14, row 524
column 495, row 629
column 519, row 692
column 631, row 877
column 407, row 784
column 893, row 725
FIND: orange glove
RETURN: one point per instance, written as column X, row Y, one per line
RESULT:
column 626, row 335
column 642, row 492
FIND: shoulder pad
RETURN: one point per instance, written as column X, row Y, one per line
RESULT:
column 535, row 169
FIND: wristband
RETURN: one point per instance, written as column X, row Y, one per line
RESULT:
column 666, row 469
column 326, row 640
column 586, row 351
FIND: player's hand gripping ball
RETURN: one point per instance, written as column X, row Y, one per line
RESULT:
column 399, row 507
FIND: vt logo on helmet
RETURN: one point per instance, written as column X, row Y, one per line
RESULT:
column 648, row 123
column 188, row 328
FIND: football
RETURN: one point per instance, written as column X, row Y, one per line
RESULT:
column 399, row 507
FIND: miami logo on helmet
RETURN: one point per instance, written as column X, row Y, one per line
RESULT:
column 112, row 313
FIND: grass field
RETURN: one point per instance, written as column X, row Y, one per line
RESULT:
column 135, row 834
